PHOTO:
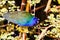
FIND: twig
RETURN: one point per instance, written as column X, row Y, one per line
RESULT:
column 3, row 25
column 38, row 8
column 57, row 6
column 24, row 36
column 23, row 5
column 27, row 7
column 43, row 32
column 48, row 6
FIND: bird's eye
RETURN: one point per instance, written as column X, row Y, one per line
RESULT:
column 37, row 21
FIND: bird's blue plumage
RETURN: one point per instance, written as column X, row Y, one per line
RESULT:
column 21, row 18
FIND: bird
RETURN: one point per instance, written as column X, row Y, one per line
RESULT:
column 21, row 18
